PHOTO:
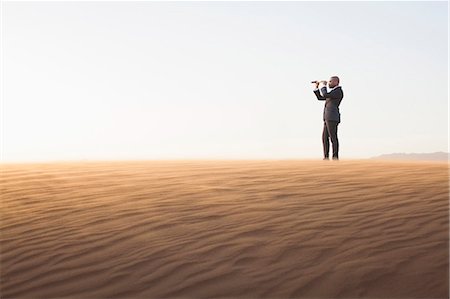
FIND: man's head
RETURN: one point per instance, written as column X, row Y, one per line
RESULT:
column 334, row 81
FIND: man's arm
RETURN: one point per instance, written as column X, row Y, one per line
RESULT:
column 318, row 95
column 334, row 94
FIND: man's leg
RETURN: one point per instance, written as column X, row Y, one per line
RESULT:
column 325, row 141
column 332, row 131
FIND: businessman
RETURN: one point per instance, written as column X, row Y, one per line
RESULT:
column 331, row 114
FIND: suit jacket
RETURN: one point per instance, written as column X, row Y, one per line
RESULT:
column 332, row 101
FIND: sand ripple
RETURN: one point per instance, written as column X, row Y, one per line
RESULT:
column 204, row 229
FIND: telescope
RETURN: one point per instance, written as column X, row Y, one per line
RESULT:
column 317, row 81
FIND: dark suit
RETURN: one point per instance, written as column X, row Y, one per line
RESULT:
column 331, row 118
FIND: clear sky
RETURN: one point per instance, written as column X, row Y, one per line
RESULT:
column 220, row 80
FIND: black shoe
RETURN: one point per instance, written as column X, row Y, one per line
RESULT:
column 335, row 158
column 326, row 158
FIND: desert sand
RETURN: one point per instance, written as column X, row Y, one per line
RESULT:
column 236, row 229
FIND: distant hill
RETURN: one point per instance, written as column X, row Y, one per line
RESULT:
column 437, row 156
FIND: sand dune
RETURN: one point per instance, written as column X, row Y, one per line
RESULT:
column 436, row 156
column 237, row 229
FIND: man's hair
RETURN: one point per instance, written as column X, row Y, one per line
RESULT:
column 335, row 77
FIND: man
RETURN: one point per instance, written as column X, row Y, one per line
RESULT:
column 331, row 114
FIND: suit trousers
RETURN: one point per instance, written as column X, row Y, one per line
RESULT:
column 330, row 132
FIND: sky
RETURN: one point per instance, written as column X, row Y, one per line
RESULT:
column 220, row 80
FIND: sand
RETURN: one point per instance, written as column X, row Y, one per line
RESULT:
column 237, row 229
